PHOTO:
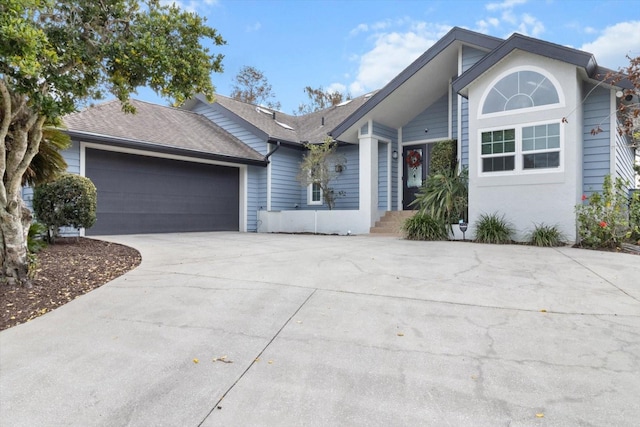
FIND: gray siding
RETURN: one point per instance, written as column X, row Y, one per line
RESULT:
column 346, row 181
column 232, row 127
column 364, row 130
column 382, row 176
column 596, row 151
column 454, row 116
column 285, row 188
column 464, row 137
column 435, row 118
column 624, row 159
column 256, row 176
column 469, row 57
column 392, row 135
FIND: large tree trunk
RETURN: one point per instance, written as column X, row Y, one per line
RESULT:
column 20, row 133
column 14, row 227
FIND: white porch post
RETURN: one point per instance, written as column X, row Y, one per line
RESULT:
column 368, row 154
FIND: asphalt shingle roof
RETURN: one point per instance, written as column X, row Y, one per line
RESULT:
column 160, row 125
column 306, row 128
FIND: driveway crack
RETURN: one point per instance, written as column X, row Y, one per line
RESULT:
column 253, row 361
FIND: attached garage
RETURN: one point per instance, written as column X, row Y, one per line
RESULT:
column 142, row 194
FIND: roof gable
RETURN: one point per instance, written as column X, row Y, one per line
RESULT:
column 550, row 50
column 455, row 35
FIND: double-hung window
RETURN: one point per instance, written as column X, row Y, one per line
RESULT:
column 521, row 148
column 315, row 194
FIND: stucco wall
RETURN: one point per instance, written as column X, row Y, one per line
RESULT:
column 536, row 196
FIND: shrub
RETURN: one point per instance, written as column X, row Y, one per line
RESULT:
column 634, row 216
column 425, row 227
column 443, row 156
column 546, row 235
column 35, row 237
column 493, row 229
column 69, row 201
column 444, row 196
column 603, row 220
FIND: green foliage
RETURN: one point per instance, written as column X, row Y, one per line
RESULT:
column 603, row 220
column 546, row 235
column 318, row 166
column 36, row 236
column 48, row 164
column 59, row 53
column 69, row 201
column 422, row 226
column 445, row 196
column 443, row 156
column 251, row 86
column 634, row 217
column 492, row 228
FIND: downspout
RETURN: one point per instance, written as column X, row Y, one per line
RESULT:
column 272, row 151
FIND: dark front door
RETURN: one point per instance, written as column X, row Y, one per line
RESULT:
column 416, row 163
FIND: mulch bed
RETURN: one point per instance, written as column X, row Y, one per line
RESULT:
column 69, row 268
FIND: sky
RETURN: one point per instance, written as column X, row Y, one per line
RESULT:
column 357, row 46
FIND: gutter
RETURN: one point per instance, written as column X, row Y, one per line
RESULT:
column 157, row 148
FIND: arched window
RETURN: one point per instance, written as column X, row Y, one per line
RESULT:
column 521, row 89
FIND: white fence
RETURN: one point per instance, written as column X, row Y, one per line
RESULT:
column 309, row 221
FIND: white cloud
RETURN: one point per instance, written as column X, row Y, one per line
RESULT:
column 391, row 53
column 190, row 5
column 506, row 4
column 361, row 28
column 614, row 43
column 530, row 26
column 336, row 87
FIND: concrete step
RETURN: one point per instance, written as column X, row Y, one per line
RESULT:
column 391, row 222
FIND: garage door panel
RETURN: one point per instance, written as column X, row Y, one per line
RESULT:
column 140, row 194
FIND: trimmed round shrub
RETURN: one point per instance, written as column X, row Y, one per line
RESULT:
column 493, row 228
column 69, row 201
column 425, row 227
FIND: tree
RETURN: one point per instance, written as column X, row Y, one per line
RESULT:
column 321, row 99
column 48, row 163
column 319, row 167
column 252, row 86
column 57, row 55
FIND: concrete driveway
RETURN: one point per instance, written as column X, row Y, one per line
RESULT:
column 291, row 330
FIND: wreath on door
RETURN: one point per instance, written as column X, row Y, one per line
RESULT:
column 414, row 159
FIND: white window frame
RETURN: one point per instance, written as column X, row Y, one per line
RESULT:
column 519, row 153
column 550, row 77
column 310, row 200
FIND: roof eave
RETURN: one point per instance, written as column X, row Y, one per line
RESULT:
column 157, row 148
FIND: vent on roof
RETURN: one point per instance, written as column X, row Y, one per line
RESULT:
column 322, row 120
column 263, row 110
column 343, row 103
column 369, row 95
column 284, row 125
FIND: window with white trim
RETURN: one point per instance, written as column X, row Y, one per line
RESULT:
column 520, row 89
column 314, row 194
column 521, row 148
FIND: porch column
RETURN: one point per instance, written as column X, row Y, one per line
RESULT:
column 368, row 156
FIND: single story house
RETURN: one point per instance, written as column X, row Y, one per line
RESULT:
column 520, row 109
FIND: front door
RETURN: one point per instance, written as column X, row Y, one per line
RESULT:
column 416, row 163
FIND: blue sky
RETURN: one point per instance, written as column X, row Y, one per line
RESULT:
column 357, row 46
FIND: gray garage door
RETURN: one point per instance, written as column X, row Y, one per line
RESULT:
column 140, row 194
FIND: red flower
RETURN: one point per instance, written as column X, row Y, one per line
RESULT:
column 603, row 224
column 584, row 197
